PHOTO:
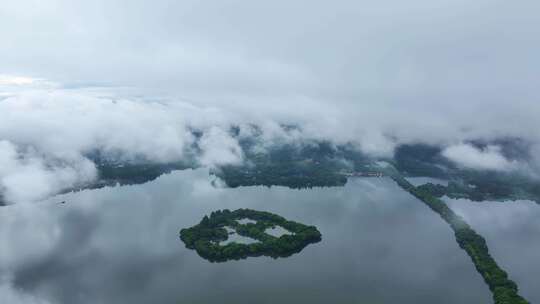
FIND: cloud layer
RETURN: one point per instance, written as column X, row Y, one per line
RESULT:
column 46, row 137
column 488, row 158
column 9, row 294
column 134, row 79
column 28, row 176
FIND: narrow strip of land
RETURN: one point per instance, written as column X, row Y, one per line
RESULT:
column 504, row 290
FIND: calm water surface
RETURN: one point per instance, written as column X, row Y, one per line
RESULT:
column 512, row 231
column 120, row 245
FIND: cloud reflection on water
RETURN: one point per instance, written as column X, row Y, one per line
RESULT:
column 120, row 245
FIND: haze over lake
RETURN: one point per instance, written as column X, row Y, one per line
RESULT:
column 121, row 245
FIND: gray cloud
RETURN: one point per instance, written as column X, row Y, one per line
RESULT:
column 46, row 135
column 27, row 176
column 347, row 51
column 9, row 294
column 131, row 78
column 449, row 62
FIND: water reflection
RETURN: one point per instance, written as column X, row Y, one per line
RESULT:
column 277, row 231
column 234, row 237
column 120, row 245
column 512, row 231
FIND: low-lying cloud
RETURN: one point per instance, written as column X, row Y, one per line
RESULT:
column 28, row 176
column 471, row 157
column 47, row 134
column 133, row 80
column 219, row 148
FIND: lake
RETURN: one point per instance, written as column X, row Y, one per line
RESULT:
column 121, row 245
column 512, row 231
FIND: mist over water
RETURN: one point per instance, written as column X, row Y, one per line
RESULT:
column 98, row 92
column 132, row 79
column 121, row 245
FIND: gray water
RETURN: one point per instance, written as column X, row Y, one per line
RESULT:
column 120, row 245
column 234, row 237
column 277, row 231
column 512, row 231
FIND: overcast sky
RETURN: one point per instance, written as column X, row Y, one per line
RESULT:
column 133, row 77
column 372, row 73
column 452, row 57
column 311, row 48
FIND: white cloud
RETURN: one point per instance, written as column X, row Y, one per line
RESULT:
column 63, row 123
column 424, row 77
column 52, row 130
column 15, row 80
column 45, row 135
column 488, row 158
column 219, row 148
column 27, row 176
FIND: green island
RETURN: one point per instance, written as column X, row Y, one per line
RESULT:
column 504, row 290
column 205, row 237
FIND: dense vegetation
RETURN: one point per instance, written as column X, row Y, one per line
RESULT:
column 476, row 185
column 421, row 160
column 483, row 190
column 135, row 173
column 111, row 174
column 292, row 175
column 504, row 290
column 320, row 164
column 293, row 166
column 205, row 236
column 308, row 164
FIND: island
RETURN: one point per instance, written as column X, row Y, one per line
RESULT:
column 206, row 236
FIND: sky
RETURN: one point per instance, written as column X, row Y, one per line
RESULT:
column 133, row 78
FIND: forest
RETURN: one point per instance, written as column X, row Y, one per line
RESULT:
column 504, row 290
column 204, row 237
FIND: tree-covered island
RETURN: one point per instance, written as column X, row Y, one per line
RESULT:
column 206, row 236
